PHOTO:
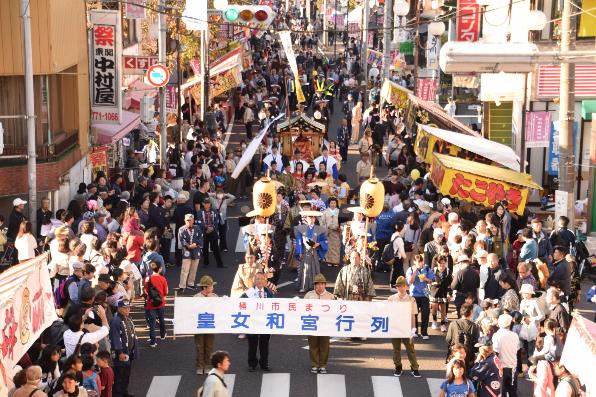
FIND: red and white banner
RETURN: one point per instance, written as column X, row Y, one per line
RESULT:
column 426, row 89
column 538, row 129
column 549, row 81
column 171, row 99
column 135, row 9
column 133, row 64
column 26, row 310
column 468, row 20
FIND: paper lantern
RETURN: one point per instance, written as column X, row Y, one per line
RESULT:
column 372, row 196
column 436, row 28
column 415, row 174
column 536, row 20
column 264, row 197
column 401, row 8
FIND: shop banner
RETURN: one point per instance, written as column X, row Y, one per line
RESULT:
column 478, row 189
column 468, row 20
column 395, row 95
column 283, row 316
column 26, row 310
column 553, row 147
column 286, row 42
column 171, row 99
column 225, row 82
column 374, row 57
column 433, row 46
column 426, row 89
column 105, row 64
column 135, row 9
column 537, row 129
column 98, row 159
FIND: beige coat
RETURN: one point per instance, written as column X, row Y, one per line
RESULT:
column 327, row 296
column 243, row 280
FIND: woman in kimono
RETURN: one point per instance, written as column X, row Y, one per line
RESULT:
column 330, row 221
column 311, row 247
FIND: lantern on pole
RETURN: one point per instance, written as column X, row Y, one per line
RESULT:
column 264, row 197
column 372, row 196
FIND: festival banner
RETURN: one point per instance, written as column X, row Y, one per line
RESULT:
column 98, row 159
column 394, row 94
column 285, row 316
column 171, row 99
column 225, row 82
column 537, row 129
column 553, row 146
column 468, row 20
column 426, row 89
column 286, row 42
column 105, row 67
column 135, row 9
column 461, row 182
column 26, row 310
column 374, row 57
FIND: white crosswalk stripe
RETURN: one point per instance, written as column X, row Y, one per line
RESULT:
column 164, row 386
column 434, row 385
column 331, row 385
column 386, row 386
column 280, row 382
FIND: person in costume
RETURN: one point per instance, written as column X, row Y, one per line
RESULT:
column 330, row 221
column 311, row 247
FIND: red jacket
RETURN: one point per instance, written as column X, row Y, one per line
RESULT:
column 159, row 282
column 134, row 246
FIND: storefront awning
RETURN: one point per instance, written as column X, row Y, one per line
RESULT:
column 493, row 151
column 479, row 183
column 110, row 133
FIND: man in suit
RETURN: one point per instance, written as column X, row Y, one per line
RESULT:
column 343, row 139
column 209, row 219
column 156, row 218
column 261, row 341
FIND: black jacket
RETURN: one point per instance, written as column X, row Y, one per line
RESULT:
column 156, row 218
column 14, row 222
column 467, row 280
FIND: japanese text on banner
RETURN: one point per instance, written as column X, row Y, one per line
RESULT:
column 468, row 20
column 292, row 317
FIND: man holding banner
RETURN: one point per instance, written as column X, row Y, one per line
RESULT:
column 318, row 346
column 402, row 296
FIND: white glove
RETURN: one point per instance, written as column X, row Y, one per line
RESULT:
column 413, row 332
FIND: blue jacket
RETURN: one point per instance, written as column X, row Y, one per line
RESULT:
column 188, row 237
column 316, row 233
column 200, row 220
column 528, row 251
column 419, row 288
column 386, row 225
column 487, row 376
column 123, row 341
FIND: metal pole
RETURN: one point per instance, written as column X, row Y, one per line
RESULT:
column 567, row 116
column 522, row 149
column 365, row 44
column 205, row 74
column 416, row 43
column 163, row 134
column 387, row 38
column 178, row 79
column 334, row 32
column 30, row 112
column 325, row 23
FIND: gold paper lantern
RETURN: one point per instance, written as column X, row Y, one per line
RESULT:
column 264, row 197
column 372, row 196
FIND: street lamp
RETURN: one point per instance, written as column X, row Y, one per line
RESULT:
column 436, row 28
column 536, row 20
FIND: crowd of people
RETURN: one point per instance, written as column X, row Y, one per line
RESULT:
column 512, row 286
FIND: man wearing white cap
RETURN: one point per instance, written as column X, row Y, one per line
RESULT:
column 506, row 344
column 433, row 247
column 15, row 219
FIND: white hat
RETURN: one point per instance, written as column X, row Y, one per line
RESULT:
column 504, row 320
column 527, row 289
column 438, row 232
column 463, row 258
column 445, row 201
column 18, row 201
column 481, row 254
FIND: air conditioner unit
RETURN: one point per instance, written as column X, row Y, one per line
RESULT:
column 463, row 57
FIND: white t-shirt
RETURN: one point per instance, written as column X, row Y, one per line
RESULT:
column 72, row 338
column 25, row 245
column 506, row 343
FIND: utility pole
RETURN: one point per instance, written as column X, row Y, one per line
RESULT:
column 205, row 76
column 365, row 42
column 567, row 116
column 163, row 136
column 30, row 112
column 387, row 28
column 416, row 43
column 325, row 42
column 334, row 32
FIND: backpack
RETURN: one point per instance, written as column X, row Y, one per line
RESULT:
column 153, row 294
column 61, row 295
column 388, row 255
column 465, row 339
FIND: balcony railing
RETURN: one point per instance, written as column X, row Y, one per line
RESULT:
column 61, row 144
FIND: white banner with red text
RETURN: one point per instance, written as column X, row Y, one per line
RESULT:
column 26, row 310
column 285, row 316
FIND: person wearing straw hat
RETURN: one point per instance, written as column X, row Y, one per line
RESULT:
column 318, row 346
column 311, row 247
column 204, row 342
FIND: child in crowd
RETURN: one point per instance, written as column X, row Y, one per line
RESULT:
column 106, row 374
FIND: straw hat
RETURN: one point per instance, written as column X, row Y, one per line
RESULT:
column 356, row 210
column 304, row 202
column 310, row 213
column 319, row 278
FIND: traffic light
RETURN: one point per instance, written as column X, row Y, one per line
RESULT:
column 248, row 14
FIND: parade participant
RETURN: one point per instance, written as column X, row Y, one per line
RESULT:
column 209, row 219
column 318, row 346
column 402, row 296
column 364, row 166
column 330, row 221
column 190, row 238
column 259, row 291
column 204, row 342
column 329, row 161
column 278, row 248
column 273, row 156
column 124, row 346
column 354, row 282
column 343, row 139
column 311, row 247
column 418, row 278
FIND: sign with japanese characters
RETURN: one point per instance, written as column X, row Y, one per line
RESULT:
column 26, row 310
column 133, row 64
column 105, row 70
column 537, row 129
column 225, row 81
column 433, row 46
column 292, row 317
column 553, row 147
column 479, row 189
column 468, row 20
column 426, row 89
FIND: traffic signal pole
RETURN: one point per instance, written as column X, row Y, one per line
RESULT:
column 567, row 117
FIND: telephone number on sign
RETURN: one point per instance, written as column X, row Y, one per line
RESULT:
column 105, row 116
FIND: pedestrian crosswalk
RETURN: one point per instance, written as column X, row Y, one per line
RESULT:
column 328, row 385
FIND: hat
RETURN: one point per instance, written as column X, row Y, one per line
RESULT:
column 486, row 303
column 105, row 278
column 206, row 281
column 445, row 201
column 527, row 289
column 189, row 216
column 123, row 303
column 483, row 341
column 356, row 210
column 424, row 207
column 310, row 213
column 319, row 278
column 401, row 280
column 438, row 232
column 504, row 320
column 401, row 167
column 183, row 196
column 304, row 202
column 18, row 201
column 125, row 195
column 463, row 258
column 481, row 254
column 77, row 265
column 253, row 213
